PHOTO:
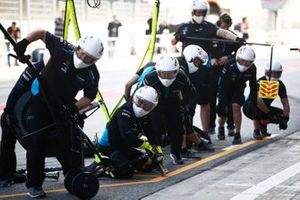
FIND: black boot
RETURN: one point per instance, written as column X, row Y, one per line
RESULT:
column 264, row 131
column 221, row 133
column 237, row 139
column 257, row 135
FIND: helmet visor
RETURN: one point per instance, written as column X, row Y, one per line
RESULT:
column 167, row 74
column 197, row 62
column 199, row 12
column 85, row 56
column 143, row 103
column 246, row 63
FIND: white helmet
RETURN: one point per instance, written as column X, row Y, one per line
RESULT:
column 202, row 5
column 167, row 69
column 92, row 47
column 276, row 70
column 192, row 53
column 245, row 57
column 144, row 101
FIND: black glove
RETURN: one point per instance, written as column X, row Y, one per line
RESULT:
column 283, row 124
column 274, row 118
column 20, row 49
column 240, row 41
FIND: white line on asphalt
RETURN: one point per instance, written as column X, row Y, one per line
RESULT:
column 269, row 183
column 250, row 185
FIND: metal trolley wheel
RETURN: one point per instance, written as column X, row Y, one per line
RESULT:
column 83, row 185
column 69, row 178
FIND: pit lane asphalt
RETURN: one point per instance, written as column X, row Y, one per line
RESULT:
column 145, row 184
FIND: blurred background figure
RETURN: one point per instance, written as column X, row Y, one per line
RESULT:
column 244, row 28
column 149, row 30
column 113, row 33
column 15, row 33
column 59, row 24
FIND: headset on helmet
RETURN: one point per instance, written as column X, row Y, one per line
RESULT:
column 167, row 69
column 245, row 57
column 275, row 72
column 192, row 53
column 144, row 100
column 199, row 5
column 92, row 46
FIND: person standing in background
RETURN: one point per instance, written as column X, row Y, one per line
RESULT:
column 113, row 32
column 113, row 27
column 244, row 28
column 15, row 33
column 149, row 30
column 59, row 24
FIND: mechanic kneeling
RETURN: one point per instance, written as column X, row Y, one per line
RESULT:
column 120, row 139
column 265, row 113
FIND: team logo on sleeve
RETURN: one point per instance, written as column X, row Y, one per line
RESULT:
column 268, row 89
column 126, row 113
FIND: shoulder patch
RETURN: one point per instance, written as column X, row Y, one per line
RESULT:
column 126, row 113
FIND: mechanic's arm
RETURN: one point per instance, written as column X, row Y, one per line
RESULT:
column 253, row 87
column 223, row 86
column 177, row 37
column 39, row 34
column 286, row 107
column 173, row 41
column 262, row 106
column 21, row 46
column 83, row 102
column 226, row 34
column 129, row 85
column 149, row 131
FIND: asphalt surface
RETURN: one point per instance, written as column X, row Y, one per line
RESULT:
column 271, row 172
column 142, row 185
